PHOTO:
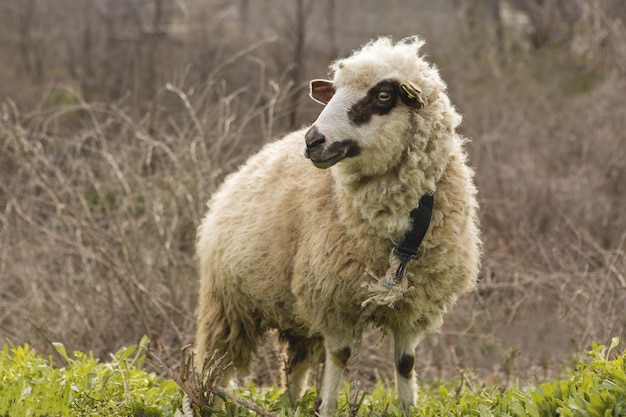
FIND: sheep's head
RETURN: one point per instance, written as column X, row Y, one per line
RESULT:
column 380, row 99
column 361, row 123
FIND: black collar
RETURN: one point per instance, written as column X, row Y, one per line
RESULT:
column 409, row 246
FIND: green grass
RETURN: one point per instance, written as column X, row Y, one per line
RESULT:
column 31, row 385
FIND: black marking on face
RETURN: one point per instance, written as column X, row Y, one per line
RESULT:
column 405, row 365
column 341, row 356
column 380, row 99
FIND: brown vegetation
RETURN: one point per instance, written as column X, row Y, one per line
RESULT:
column 119, row 119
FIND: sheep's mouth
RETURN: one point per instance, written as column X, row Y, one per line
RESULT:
column 326, row 156
column 327, row 163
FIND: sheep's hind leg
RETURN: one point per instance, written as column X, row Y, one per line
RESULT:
column 302, row 354
column 224, row 336
column 404, row 355
column 337, row 354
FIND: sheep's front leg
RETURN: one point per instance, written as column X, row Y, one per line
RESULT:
column 404, row 354
column 337, row 355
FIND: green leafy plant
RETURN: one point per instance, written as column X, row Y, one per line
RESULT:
column 596, row 388
column 31, row 385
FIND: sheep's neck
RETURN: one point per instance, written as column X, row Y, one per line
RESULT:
column 384, row 201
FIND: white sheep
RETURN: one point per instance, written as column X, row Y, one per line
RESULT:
column 292, row 244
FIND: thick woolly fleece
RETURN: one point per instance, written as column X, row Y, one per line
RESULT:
column 286, row 245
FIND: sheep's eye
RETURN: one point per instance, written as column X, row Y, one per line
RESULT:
column 384, row 96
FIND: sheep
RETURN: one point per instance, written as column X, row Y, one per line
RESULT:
column 303, row 246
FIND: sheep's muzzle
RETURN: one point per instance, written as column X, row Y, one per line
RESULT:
column 324, row 153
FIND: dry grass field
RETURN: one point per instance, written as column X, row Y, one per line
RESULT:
column 118, row 119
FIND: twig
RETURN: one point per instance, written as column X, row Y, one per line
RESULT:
column 243, row 402
column 196, row 387
column 356, row 397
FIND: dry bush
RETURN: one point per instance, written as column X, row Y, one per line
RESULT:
column 548, row 146
column 99, row 212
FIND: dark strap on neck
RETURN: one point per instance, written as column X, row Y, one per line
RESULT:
column 409, row 246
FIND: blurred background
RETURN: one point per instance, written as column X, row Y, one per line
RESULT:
column 119, row 118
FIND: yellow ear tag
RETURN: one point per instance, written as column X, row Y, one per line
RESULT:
column 410, row 90
column 413, row 94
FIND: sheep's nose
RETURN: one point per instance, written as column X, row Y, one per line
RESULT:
column 314, row 139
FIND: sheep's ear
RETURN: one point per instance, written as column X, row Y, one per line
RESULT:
column 322, row 91
column 411, row 95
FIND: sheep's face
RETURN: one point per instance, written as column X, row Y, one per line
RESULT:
column 367, row 128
